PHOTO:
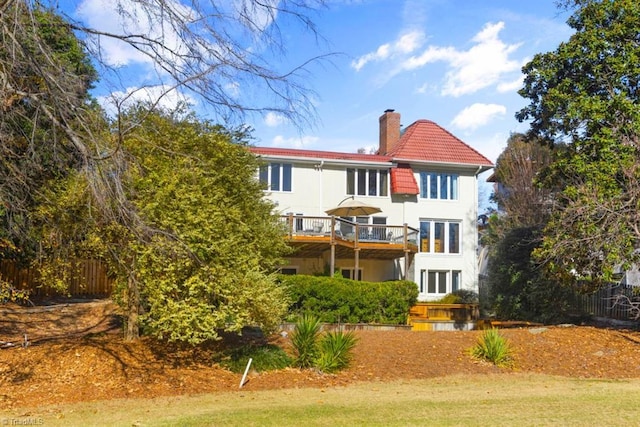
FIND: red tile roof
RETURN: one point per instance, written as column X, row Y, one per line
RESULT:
column 426, row 141
column 403, row 181
column 422, row 141
column 314, row 154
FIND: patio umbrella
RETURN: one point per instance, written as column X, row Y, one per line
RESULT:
column 353, row 208
column 350, row 208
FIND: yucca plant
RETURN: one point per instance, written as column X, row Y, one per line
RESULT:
column 304, row 340
column 334, row 352
column 493, row 347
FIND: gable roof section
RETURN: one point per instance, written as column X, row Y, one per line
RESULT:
column 423, row 141
column 314, row 154
column 426, row 141
column 403, row 181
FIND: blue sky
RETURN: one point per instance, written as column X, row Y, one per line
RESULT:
column 456, row 62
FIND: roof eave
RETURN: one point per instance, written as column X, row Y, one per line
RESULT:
column 326, row 160
column 484, row 166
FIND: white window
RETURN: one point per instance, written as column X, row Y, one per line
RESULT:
column 440, row 236
column 439, row 282
column 290, row 271
column 367, row 182
column 277, row 176
column 440, row 186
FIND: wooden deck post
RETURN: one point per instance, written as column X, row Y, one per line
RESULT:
column 406, row 251
column 356, row 251
column 332, row 267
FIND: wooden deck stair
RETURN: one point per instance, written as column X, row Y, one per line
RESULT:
column 424, row 315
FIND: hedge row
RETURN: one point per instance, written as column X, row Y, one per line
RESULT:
column 338, row 300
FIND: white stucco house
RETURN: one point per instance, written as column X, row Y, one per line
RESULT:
column 424, row 182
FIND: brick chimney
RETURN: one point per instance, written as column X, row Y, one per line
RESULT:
column 389, row 131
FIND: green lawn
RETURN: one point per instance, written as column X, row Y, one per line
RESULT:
column 492, row 400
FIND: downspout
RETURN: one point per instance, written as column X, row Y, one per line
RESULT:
column 318, row 168
column 321, row 195
column 476, row 271
column 404, row 210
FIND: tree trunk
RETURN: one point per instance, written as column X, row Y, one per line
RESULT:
column 132, row 330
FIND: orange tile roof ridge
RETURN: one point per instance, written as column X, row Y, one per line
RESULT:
column 425, row 140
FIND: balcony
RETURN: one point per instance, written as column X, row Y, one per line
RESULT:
column 312, row 236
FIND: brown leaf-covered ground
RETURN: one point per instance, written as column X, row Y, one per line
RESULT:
column 76, row 353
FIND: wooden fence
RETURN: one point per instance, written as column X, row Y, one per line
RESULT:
column 90, row 280
column 611, row 302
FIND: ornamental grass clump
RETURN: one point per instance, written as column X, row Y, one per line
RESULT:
column 304, row 340
column 494, row 348
column 328, row 352
column 335, row 351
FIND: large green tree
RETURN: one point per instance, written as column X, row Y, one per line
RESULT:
column 517, row 287
column 200, row 257
column 221, row 52
column 210, row 240
column 586, row 94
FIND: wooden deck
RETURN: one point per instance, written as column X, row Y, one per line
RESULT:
column 313, row 236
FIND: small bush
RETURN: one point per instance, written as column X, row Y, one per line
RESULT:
column 334, row 351
column 264, row 358
column 304, row 340
column 461, row 296
column 493, row 347
column 466, row 296
column 447, row 299
column 10, row 294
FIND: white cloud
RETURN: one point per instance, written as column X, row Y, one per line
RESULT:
column 165, row 97
column 409, row 42
column 425, row 88
column 232, row 89
column 273, row 120
column 404, row 45
column 481, row 66
column 484, row 64
column 511, row 86
column 432, row 54
column 302, row 142
column 478, row 115
column 127, row 17
column 492, row 144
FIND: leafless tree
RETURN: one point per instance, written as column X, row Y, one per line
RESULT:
column 212, row 49
column 209, row 49
column 517, row 190
column 222, row 52
column 205, row 49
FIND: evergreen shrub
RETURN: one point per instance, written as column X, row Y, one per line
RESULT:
column 339, row 300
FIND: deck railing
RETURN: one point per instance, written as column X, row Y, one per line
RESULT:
column 341, row 229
